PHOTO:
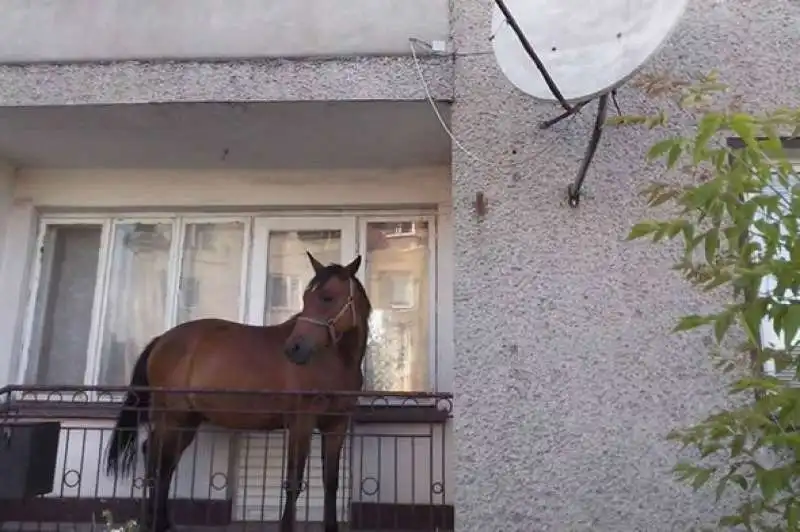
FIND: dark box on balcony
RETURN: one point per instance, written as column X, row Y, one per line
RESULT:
column 28, row 453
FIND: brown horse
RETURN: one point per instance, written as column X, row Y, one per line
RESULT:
column 320, row 350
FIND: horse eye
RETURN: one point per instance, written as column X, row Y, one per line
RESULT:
column 327, row 299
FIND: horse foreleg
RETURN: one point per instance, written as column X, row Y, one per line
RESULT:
column 164, row 447
column 333, row 438
column 299, row 444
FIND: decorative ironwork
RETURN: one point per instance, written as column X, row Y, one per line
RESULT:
column 70, row 474
column 216, row 484
column 370, row 481
column 388, row 477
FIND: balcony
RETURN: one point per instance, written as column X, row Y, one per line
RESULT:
column 395, row 469
column 53, row 31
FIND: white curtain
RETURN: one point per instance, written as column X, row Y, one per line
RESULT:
column 136, row 298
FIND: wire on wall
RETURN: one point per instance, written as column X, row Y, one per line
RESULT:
column 413, row 42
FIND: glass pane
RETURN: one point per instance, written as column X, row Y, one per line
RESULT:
column 290, row 271
column 136, row 298
column 63, row 312
column 397, row 283
column 211, row 271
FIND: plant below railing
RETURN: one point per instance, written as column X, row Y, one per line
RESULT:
column 111, row 526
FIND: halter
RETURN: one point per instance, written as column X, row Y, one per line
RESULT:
column 330, row 324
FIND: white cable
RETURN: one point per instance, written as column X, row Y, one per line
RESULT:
column 432, row 103
column 412, row 41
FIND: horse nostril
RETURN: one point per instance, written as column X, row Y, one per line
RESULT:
column 291, row 349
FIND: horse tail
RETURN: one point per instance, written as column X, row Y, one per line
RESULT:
column 134, row 412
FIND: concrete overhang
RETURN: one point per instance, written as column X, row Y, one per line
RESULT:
column 276, row 135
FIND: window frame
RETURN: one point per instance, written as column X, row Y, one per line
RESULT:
column 791, row 145
column 355, row 221
column 38, row 273
column 767, row 334
column 176, row 263
column 434, row 279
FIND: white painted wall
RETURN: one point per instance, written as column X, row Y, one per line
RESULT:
column 6, row 196
column 38, row 191
column 255, row 189
column 105, row 30
column 15, row 228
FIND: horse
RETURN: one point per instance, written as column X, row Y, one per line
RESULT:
column 318, row 350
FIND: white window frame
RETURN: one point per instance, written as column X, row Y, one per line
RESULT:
column 257, row 226
column 434, row 309
column 767, row 334
column 263, row 226
column 174, row 287
column 109, row 222
column 38, row 274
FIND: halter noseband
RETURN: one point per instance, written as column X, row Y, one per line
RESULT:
column 330, row 324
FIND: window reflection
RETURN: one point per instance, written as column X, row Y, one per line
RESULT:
column 397, row 280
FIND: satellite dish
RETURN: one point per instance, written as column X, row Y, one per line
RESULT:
column 589, row 47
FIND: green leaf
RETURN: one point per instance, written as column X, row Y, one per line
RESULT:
column 673, row 155
column 709, row 125
column 723, row 483
column 701, row 477
column 692, row 321
column 751, row 322
column 660, row 148
column 723, row 323
column 791, row 323
column 740, row 481
column 719, row 279
column 642, row 229
column 712, row 244
column 737, row 445
column 742, row 125
column 792, row 515
column 730, row 521
column 771, row 481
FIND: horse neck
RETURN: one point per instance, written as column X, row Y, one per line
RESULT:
column 352, row 348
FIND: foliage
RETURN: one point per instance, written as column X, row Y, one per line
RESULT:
column 734, row 211
column 108, row 519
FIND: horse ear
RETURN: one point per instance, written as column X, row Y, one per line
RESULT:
column 317, row 265
column 352, row 268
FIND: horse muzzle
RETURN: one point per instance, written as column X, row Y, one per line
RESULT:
column 298, row 351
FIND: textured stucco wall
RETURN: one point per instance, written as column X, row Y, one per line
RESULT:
column 566, row 380
column 362, row 78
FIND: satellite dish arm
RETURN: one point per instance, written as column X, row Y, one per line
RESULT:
column 532, row 54
column 574, row 190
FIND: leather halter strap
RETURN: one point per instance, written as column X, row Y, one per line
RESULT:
column 330, row 324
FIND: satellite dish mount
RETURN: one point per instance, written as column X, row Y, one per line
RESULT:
column 591, row 49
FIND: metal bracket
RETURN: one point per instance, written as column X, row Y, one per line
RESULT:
column 574, row 188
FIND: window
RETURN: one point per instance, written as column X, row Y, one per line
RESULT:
column 398, row 273
column 104, row 286
column 286, row 291
column 64, row 302
column 769, row 337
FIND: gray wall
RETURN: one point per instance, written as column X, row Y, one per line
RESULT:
column 566, row 380
column 108, row 30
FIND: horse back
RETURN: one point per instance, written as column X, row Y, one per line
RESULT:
column 211, row 355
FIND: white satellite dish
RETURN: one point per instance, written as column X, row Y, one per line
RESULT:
column 589, row 47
